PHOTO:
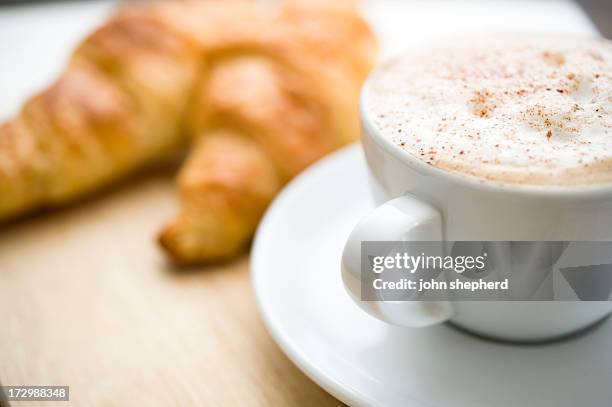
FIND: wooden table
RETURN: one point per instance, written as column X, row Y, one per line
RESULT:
column 88, row 300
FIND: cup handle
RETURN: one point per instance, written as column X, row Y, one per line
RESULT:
column 402, row 219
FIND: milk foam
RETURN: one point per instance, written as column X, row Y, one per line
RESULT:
column 508, row 109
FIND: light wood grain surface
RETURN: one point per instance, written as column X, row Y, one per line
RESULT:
column 88, row 300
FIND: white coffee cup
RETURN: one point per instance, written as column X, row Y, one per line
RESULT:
column 421, row 202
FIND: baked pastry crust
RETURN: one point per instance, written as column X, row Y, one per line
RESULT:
column 258, row 91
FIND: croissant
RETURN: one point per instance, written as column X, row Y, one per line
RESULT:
column 258, row 91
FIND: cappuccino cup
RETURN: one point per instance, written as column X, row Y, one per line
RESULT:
column 504, row 139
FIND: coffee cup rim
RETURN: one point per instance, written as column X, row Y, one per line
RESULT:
column 369, row 129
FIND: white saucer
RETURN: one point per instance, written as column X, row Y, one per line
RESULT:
column 364, row 362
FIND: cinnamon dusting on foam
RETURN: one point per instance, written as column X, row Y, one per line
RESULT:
column 519, row 110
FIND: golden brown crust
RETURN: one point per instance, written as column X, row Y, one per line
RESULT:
column 290, row 85
column 118, row 106
column 263, row 91
column 225, row 185
column 257, row 97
